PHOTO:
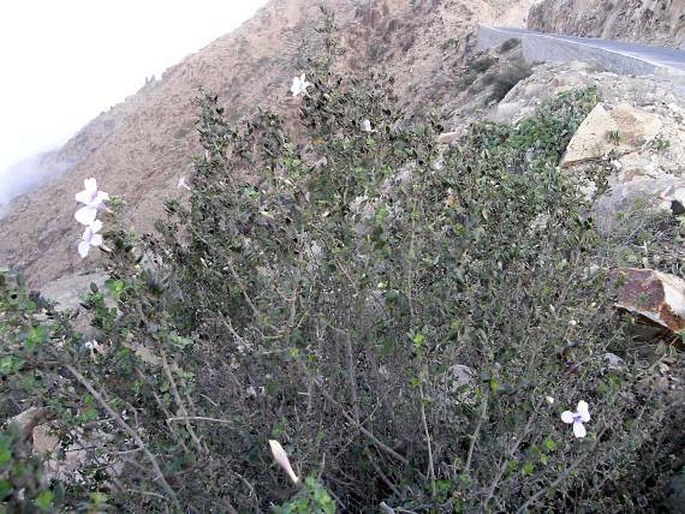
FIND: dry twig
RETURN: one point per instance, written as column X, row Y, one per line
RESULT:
column 130, row 431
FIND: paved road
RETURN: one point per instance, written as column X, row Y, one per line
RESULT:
column 614, row 55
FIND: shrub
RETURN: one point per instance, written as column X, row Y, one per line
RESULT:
column 509, row 45
column 504, row 81
column 397, row 324
column 475, row 68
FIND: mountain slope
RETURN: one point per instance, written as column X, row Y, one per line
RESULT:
column 141, row 147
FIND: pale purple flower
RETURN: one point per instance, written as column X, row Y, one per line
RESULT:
column 300, row 85
column 366, row 125
column 582, row 415
column 92, row 199
column 90, row 238
column 282, row 460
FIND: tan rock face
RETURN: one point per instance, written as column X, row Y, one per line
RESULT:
column 658, row 297
column 658, row 22
column 620, row 130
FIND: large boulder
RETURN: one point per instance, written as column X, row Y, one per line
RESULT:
column 621, row 129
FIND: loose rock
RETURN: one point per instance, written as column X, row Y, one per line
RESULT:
column 656, row 296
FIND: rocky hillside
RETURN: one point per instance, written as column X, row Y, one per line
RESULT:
column 141, row 147
column 657, row 22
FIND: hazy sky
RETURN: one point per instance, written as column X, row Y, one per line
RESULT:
column 63, row 62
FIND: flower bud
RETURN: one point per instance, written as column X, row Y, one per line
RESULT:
column 282, row 460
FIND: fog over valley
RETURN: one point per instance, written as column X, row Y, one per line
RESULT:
column 79, row 59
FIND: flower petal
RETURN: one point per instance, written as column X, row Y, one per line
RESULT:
column 86, row 215
column 567, row 416
column 90, row 185
column 295, row 88
column 96, row 240
column 84, row 197
column 579, row 430
column 584, row 410
column 96, row 226
column 100, row 197
column 83, row 249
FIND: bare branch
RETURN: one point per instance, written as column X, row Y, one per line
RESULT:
column 200, row 418
column 424, row 421
column 181, row 406
column 130, row 431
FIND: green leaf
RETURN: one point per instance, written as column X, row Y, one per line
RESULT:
column 44, row 500
column 115, row 287
column 5, row 455
column 549, row 444
column 98, row 498
column 681, row 333
column 180, row 342
column 34, row 337
column 10, row 364
column 5, row 489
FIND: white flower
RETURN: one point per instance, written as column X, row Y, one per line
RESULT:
column 90, row 238
column 582, row 415
column 91, row 195
column 92, row 345
column 93, row 200
column 549, row 400
column 182, row 183
column 300, row 85
column 282, row 460
column 366, row 125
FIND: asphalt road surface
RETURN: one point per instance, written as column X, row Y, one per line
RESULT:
column 554, row 47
